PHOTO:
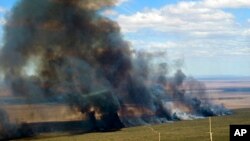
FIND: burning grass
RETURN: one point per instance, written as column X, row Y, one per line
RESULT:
column 79, row 58
column 41, row 113
column 194, row 130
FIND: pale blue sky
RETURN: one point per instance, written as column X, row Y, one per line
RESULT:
column 212, row 36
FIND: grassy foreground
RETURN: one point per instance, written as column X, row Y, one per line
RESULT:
column 195, row 130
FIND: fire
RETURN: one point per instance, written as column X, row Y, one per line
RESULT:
column 85, row 63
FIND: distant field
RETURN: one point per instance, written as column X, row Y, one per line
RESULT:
column 233, row 94
column 195, row 130
column 40, row 113
column 216, row 84
column 217, row 91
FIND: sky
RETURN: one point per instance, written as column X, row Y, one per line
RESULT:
column 211, row 36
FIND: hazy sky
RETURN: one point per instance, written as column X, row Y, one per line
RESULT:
column 211, row 36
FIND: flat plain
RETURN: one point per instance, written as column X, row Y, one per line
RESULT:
column 234, row 95
column 193, row 130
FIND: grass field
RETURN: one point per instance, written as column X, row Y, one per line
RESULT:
column 195, row 130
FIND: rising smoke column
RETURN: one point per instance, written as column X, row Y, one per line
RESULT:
column 79, row 57
column 63, row 34
column 78, row 53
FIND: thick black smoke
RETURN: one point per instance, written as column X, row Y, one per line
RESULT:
column 80, row 58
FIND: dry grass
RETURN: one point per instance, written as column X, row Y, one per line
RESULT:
column 195, row 130
column 41, row 113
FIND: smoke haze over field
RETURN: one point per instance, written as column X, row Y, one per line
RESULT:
column 79, row 57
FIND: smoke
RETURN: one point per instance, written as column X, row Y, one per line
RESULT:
column 4, row 123
column 65, row 51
